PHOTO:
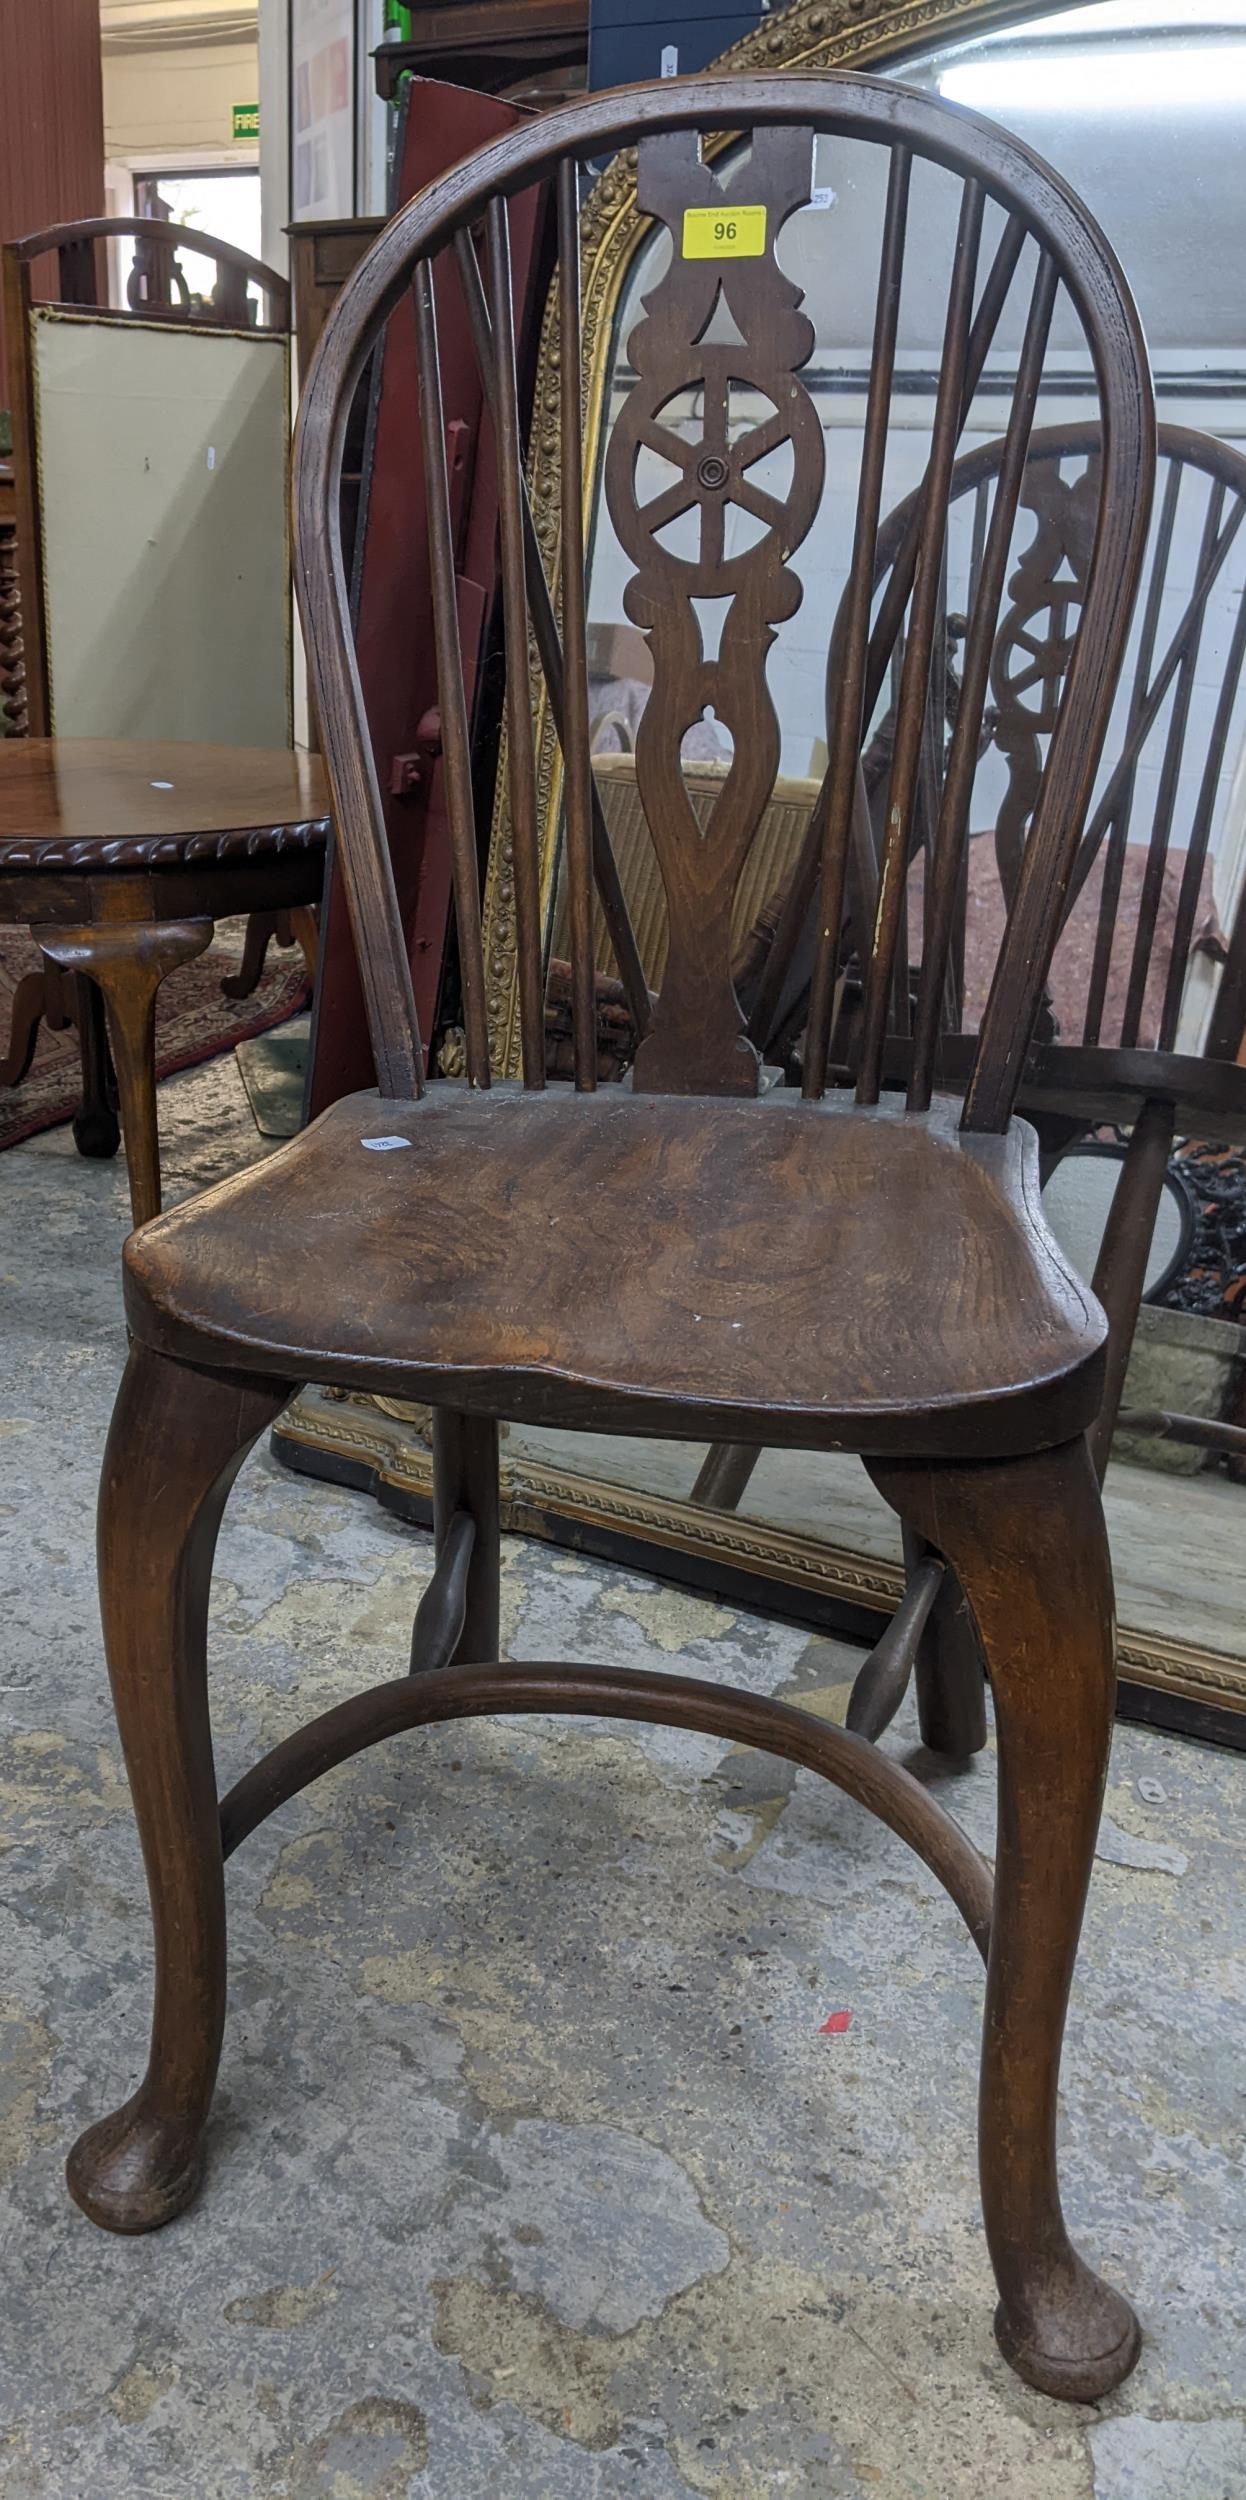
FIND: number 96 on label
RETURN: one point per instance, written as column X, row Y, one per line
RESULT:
column 724, row 233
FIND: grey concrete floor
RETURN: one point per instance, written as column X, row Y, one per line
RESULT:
column 534, row 2172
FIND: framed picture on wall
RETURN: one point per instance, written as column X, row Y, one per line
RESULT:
column 322, row 109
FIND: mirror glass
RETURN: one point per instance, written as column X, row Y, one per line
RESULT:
column 830, row 250
column 1139, row 104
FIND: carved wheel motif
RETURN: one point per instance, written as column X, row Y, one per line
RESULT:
column 1035, row 641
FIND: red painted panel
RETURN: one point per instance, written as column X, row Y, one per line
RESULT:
column 51, row 119
column 393, row 619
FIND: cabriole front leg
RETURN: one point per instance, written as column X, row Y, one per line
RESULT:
column 177, row 1440
column 1027, row 1541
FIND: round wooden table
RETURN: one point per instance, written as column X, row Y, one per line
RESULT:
column 119, row 857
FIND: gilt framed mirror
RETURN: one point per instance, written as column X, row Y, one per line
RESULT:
column 1138, row 104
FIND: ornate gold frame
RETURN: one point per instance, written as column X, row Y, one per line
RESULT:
column 379, row 1444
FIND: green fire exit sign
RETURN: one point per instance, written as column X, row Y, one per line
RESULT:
column 246, row 121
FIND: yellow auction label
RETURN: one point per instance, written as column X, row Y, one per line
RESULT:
column 724, row 233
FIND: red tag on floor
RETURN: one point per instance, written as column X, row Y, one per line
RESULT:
column 837, row 2022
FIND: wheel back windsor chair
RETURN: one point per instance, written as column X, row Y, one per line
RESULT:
column 681, row 1257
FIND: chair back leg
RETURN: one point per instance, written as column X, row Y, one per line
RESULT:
column 1120, row 1269
column 465, row 1480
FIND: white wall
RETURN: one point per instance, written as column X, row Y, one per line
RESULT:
column 174, row 108
column 173, row 71
column 273, row 90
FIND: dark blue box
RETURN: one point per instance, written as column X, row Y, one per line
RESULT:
column 629, row 43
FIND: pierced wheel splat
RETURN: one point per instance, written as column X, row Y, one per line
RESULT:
column 751, row 408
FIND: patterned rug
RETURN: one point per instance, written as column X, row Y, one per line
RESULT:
column 194, row 1021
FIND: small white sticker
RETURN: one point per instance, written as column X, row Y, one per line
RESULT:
column 211, row 455
column 821, row 196
column 384, row 1145
column 668, row 66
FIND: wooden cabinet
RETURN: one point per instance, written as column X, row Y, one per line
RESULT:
column 532, row 51
column 322, row 257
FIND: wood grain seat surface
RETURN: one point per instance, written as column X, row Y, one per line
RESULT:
column 824, row 1274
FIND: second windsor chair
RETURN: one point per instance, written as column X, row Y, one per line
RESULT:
column 681, row 1257
column 1112, row 1049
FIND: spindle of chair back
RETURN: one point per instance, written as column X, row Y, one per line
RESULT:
column 1167, row 666
column 724, row 226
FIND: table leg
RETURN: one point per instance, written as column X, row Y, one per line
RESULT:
column 29, row 1001
column 304, row 923
column 42, row 997
column 97, row 1130
column 128, row 960
column 296, row 927
column 262, row 928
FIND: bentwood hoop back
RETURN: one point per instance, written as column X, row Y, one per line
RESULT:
column 677, row 1257
column 666, row 119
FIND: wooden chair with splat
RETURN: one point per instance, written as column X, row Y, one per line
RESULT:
column 1146, row 1022
column 679, row 1257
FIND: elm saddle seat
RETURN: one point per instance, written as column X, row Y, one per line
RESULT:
column 476, row 1264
